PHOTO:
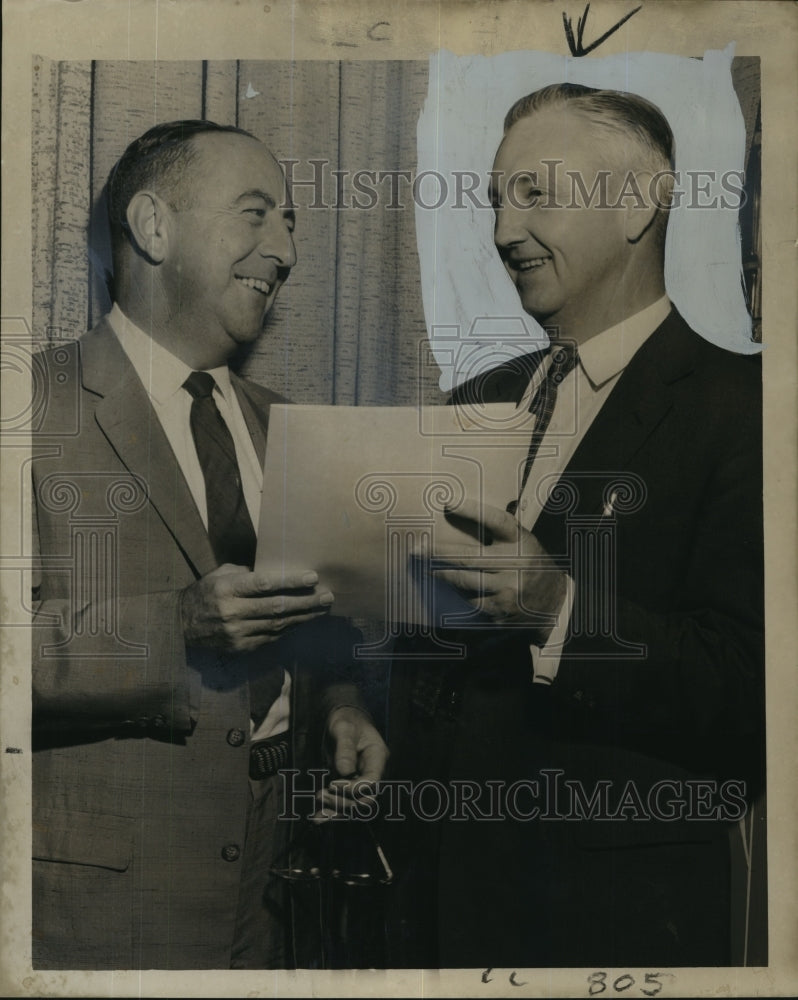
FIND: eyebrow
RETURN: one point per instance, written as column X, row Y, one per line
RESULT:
column 257, row 193
column 288, row 211
column 526, row 179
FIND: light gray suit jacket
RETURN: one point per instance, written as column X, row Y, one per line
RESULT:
column 138, row 803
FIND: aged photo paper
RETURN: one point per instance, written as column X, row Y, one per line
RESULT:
column 385, row 118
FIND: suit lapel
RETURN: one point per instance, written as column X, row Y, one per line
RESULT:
column 506, row 383
column 131, row 426
column 255, row 417
column 634, row 409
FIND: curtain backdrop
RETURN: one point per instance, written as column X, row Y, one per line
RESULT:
column 348, row 325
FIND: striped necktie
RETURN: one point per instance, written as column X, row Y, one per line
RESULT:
column 563, row 360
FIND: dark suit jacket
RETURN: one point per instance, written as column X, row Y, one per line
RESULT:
column 679, row 444
column 139, row 803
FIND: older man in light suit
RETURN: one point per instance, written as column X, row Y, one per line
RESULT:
column 171, row 683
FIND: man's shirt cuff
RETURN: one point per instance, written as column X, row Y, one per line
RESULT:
column 546, row 659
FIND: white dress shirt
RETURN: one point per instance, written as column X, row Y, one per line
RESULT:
column 581, row 395
column 162, row 375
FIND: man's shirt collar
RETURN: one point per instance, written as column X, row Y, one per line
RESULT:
column 610, row 351
column 161, row 372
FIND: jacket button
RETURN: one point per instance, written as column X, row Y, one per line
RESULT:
column 236, row 737
column 231, row 852
column 159, row 721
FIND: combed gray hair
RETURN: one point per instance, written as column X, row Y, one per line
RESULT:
column 616, row 113
column 622, row 113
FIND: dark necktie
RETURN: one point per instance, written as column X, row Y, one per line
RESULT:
column 563, row 361
column 230, row 530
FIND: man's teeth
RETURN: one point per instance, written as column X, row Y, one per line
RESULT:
column 528, row 265
column 257, row 283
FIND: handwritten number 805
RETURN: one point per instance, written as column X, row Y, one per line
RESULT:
column 597, row 983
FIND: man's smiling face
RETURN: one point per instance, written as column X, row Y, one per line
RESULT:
column 231, row 245
column 566, row 263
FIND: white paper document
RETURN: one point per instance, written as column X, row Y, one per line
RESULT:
column 355, row 492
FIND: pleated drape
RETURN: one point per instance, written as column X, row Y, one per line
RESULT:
column 348, row 326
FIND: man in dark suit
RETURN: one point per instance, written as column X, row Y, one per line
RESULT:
column 607, row 720
column 171, row 682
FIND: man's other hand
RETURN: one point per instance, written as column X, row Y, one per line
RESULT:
column 237, row 609
column 359, row 756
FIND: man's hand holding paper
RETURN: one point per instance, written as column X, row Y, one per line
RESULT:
column 236, row 609
column 504, row 572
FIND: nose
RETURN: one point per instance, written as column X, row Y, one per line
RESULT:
column 278, row 241
column 508, row 228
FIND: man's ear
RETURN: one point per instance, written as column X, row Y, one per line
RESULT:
column 147, row 221
column 639, row 202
